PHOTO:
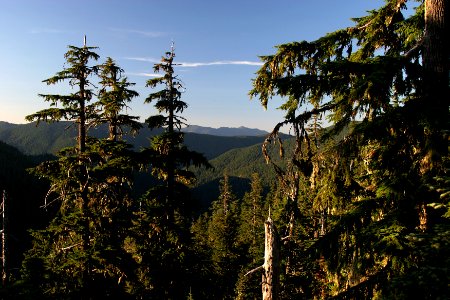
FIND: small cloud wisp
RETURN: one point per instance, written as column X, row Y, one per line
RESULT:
column 143, row 74
column 219, row 63
column 201, row 64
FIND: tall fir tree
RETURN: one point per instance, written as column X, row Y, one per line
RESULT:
column 82, row 248
column 252, row 217
column 227, row 257
column 114, row 96
column 383, row 85
column 162, row 228
column 251, row 239
column 74, row 108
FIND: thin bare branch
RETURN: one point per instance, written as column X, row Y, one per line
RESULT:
column 254, row 270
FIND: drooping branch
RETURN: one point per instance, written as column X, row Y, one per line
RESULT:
column 300, row 119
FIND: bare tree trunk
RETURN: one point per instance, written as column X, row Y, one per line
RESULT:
column 4, row 241
column 270, row 277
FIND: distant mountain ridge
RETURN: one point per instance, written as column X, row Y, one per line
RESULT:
column 225, row 131
column 51, row 137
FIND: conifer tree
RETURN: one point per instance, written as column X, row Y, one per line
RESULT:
column 372, row 177
column 168, row 101
column 251, row 238
column 251, row 230
column 113, row 98
column 226, row 253
column 82, row 248
column 204, row 286
column 74, row 108
column 162, row 228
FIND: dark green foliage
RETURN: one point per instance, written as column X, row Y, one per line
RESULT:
column 82, row 249
column 239, row 164
column 252, row 219
column 362, row 208
column 161, row 239
column 77, row 74
column 160, row 245
column 223, row 240
column 216, row 236
column 113, row 98
column 23, row 211
column 353, row 201
column 250, row 239
column 60, row 246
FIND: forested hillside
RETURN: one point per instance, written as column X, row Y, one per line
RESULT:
column 23, row 196
column 50, row 138
column 239, row 165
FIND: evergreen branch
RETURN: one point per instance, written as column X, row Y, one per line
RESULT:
column 49, row 115
column 156, row 121
column 63, row 98
column 157, row 95
column 61, row 76
column 154, row 82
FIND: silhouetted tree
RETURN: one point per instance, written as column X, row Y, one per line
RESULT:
column 162, row 229
column 82, row 248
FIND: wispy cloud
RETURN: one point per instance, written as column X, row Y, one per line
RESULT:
column 145, row 59
column 142, row 74
column 220, row 63
column 201, row 64
column 150, row 34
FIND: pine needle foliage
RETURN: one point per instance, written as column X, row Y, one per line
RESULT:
column 161, row 230
column 90, row 185
column 114, row 96
column 383, row 81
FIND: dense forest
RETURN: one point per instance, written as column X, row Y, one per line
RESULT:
column 357, row 210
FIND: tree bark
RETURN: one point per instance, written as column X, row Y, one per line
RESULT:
column 270, row 277
column 436, row 56
column 435, row 101
column 85, row 234
column 4, row 241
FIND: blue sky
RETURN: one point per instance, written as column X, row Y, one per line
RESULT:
column 217, row 43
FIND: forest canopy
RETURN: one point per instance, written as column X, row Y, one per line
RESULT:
column 359, row 209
